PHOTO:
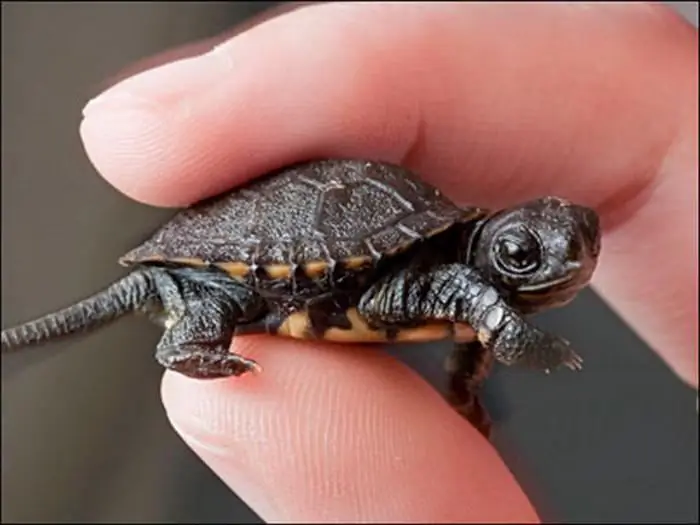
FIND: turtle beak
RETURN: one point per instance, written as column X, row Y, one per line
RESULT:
column 589, row 225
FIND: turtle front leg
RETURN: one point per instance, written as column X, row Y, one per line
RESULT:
column 457, row 293
column 468, row 366
column 200, row 328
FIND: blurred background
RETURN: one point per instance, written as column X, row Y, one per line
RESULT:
column 84, row 435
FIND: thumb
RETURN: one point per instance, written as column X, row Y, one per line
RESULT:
column 341, row 434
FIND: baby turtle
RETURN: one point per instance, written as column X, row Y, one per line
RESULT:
column 349, row 251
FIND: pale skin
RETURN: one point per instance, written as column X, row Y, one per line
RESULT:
column 597, row 103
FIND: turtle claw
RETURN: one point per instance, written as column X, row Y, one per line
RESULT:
column 547, row 353
column 521, row 343
column 201, row 362
column 569, row 358
column 575, row 362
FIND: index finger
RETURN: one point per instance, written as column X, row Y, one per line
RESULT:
column 492, row 102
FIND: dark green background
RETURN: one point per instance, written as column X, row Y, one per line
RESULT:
column 84, row 436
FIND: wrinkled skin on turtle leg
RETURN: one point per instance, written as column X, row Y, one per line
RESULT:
column 198, row 307
column 468, row 366
column 459, row 294
column 203, row 308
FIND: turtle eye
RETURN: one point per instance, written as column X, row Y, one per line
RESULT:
column 517, row 252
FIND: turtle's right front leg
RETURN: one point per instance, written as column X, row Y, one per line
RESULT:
column 468, row 366
column 200, row 327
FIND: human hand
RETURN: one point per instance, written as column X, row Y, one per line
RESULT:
column 493, row 104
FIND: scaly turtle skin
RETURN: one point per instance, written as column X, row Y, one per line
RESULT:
column 352, row 251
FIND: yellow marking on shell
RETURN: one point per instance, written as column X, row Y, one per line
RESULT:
column 235, row 269
column 189, row 261
column 279, row 271
column 274, row 271
column 355, row 263
column 315, row 269
column 297, row 326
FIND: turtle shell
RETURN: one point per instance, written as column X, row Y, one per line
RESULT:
column 308, row 216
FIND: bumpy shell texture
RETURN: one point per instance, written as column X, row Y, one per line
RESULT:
column 315, row 212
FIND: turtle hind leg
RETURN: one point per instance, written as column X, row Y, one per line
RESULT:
column 202, row 319
column 468, row 366
column 198, row 346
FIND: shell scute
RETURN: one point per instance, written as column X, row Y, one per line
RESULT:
column 313, row 214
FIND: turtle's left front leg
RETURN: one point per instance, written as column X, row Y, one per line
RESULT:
column 459, row 294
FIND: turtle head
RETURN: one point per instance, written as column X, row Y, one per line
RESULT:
column 540, row 253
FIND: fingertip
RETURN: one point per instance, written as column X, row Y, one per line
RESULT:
column 144, row 137
column 199, row 126
column 341, row 433
column 120, row 143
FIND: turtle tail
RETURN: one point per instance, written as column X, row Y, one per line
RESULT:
column 124, row 296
